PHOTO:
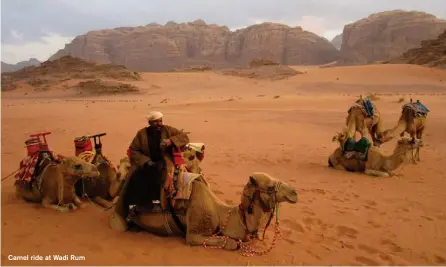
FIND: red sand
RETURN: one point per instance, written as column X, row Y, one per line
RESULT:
column 341, row 218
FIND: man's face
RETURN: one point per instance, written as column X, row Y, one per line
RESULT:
column 156, row 123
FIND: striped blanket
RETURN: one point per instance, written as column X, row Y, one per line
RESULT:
column 28, row 166
column 417, row 107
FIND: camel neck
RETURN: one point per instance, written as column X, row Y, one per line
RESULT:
column 395, row 160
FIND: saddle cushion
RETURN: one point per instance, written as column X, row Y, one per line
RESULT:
column 182, row 192
column 361, row 146
column 88, row 156
column 417, row 107
column 367, row 107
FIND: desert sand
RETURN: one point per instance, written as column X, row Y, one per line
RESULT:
column 283, row 128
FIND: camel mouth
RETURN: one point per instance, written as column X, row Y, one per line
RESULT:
column 291, row 198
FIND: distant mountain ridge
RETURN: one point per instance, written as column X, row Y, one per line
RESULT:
column 6, row 67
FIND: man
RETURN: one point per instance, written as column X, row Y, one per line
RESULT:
column 149, row 163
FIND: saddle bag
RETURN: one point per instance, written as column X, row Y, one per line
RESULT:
column 32, row 146
column 82, row 144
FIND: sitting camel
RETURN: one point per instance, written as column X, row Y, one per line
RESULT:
column 209, row 221
column 53, row 185
column 412, row 120
column 104, row 189
column 374, row 163
column 364, row 117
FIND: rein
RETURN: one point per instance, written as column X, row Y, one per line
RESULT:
column 246, row 249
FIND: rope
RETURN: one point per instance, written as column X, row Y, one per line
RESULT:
column 9, row 175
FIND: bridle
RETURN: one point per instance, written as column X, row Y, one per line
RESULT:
column 268, row 207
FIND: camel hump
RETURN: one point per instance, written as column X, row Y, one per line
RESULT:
column 366, row 105
column 417, row 107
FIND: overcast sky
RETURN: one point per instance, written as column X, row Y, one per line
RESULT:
column 38, row 28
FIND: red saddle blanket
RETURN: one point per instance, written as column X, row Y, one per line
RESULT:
column 28, row 166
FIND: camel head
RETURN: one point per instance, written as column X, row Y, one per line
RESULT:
column 267, row 192
column 341, row 136
column 123, row 168
column 76, row 167
column 191, row 161
column 385, row 136
column 408, row 143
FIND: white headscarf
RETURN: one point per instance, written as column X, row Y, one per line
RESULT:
column 154, row 115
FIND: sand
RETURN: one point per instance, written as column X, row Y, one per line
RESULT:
column 283, row 128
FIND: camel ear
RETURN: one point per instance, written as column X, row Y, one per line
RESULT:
column 252, row 180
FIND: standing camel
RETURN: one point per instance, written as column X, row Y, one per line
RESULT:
column 364, row 117
column 210, row 221
column 412, row 120
column 53, row 185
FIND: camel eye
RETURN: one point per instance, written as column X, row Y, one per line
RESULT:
column 191, row 157
column 78, row 166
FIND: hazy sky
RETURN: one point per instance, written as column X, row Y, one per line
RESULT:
column 38, row 28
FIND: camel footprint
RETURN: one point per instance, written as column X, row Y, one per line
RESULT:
column 366, row 261
column 392, row 245
column 294, row 225
column 347, row 231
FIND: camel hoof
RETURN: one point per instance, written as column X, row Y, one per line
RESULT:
column 117, row 223
column 62, row 209
column 231, row 244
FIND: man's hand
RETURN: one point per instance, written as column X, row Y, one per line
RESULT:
column 148, row 164
column 165, row 143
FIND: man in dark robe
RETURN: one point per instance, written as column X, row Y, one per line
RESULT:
column 150, row 162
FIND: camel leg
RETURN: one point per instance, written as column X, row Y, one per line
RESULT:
column 419, row 136
column 115, row 199
column 117, row 223
column 78, row 202
column 376, row 173
column 197, row 240
column 46, row 203
column 413, row 134
column 102, row 202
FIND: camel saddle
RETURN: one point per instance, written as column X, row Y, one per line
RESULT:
column 367, row 107
column 358, row 149
column 418, row 108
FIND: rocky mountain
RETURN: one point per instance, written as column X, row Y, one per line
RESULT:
column 431, row 53
column 337, row 41
column 22, row 64
column 385, row 35
column 156, row 47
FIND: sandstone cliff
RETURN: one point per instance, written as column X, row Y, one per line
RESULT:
column 386, row 35
column 337, row 41
column 432, row 53
column 160, row 48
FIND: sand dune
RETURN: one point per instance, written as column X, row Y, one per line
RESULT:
column 283, row 128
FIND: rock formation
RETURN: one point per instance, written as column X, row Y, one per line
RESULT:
column 337, row 41
column 22, row 64
column 161, row 48
column 385, row 35
column 432, row 53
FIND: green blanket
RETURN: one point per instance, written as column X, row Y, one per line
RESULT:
column 362, row 146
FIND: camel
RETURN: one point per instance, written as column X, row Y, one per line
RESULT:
column 211, row 222
column 359, row 120
column 54, row 183
column 413, row 121
column 375, row 163
column 106, row 188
